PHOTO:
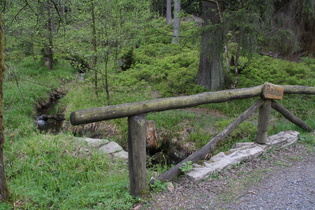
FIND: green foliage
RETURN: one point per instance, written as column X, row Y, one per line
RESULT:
column 187, row 166
column 172, row 71
column 127, row 60
column 200, row 137
column 47, row 171
column 308, row 139
column 158, row 186
column 246, row 131
column 170, row 119
column 266, row 69
column 59, row 172
column 25, row 85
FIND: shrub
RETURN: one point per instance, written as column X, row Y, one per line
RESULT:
column 266, row 69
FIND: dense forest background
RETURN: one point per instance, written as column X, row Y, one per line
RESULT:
column 92, row 33
column 92, row 53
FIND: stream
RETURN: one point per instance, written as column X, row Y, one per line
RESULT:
column 49, row 117
column 50, row 120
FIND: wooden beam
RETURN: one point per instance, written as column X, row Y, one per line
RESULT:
column 137, row 154
column 287, row 114
column 263, row 122
column 201, row 154
column 297, row 89
column 162, row 104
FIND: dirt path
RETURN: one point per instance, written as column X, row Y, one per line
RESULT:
column 279, row 179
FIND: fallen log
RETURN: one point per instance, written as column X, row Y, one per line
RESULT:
column 201, row 154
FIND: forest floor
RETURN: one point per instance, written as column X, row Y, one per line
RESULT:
column 280, row 179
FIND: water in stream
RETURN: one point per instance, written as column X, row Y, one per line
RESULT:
column 49, row 118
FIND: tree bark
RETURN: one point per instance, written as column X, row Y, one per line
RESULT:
column 168, row 12
column 211, row 72
column 94, row 46
column 201, row 154
column 177, row 5
column 3, row 181
column 50, row 28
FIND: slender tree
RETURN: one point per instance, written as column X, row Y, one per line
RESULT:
column 168, row 12
column 176, row 36
column 3, row 182
column 50, row 31
column 94, row 46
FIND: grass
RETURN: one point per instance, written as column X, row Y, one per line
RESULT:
column 46, row 171
column 53, row 171
column 59, row 172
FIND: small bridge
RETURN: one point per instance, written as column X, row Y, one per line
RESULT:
column 136, row 111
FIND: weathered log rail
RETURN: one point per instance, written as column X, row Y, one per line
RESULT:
column 136, row 122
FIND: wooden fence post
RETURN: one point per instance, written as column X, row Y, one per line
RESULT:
column 137, row 154
column 263, row 121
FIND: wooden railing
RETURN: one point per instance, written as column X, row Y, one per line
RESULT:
column 137, row 126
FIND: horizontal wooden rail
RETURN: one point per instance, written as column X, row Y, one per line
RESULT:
column 162, row 104
column 297, row 89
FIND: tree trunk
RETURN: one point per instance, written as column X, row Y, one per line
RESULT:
column 237, row 56
column 3, row 182
column 211, row 73
column 50, row 53
column 94, row 46
column 50, row 29
column 177, row 5
column 168, row 12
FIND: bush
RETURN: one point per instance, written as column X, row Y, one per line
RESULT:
column 266, row 69
column 172, row 71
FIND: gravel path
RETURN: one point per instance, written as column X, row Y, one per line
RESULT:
column 280, row 179
column 290, row 188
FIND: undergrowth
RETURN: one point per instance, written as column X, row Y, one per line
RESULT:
column 47, row 171
column 53, row 171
